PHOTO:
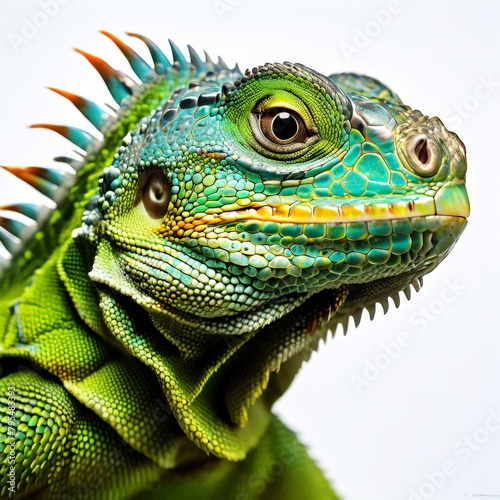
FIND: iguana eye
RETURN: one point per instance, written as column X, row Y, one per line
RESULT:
column 283, row 126
column 156, row 195
column 280, row 130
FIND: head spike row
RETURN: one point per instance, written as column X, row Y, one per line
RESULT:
column 159, row 58
column 17, row 222
column 209, row 63
column 74, row 163
column 119, row 85
column 14, row 226
column 178, row 56
column 77, row 136
column 140, row 67
column 29, row 210
column 222, row 63
column 94, row 113
column 196, row 60
column 9, row 241
column 44, row 179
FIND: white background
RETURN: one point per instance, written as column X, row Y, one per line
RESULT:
column 377, row 443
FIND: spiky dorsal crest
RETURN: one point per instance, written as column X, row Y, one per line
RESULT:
column 19, row 221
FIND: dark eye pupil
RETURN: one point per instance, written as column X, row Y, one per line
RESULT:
column 157, row 193
column 279, row 127
column 285, row 126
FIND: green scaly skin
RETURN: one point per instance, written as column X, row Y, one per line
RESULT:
column 222, row 227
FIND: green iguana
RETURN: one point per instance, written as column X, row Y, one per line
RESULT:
column 218, row 224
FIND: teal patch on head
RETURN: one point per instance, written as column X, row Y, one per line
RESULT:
column 373, row 168
column 351, row 157
column 354, row 183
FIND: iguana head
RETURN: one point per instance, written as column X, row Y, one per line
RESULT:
column 276, row 186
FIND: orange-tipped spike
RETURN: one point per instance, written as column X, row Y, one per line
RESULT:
column 88, row 108
column 115, row 80
column 159, row 58
column 44, row 179
column 76, row 135
column 139, row 65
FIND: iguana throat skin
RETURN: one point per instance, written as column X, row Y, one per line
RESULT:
column 151, row 323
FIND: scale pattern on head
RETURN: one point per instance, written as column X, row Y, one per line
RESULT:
column 233, row 194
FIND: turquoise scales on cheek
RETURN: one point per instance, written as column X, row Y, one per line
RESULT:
column 218, row 228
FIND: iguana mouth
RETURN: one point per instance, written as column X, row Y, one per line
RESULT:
column 449, row 200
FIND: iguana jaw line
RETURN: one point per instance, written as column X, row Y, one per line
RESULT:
column 450, row 200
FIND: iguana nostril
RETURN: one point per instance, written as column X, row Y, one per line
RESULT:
column 422, row 155
column 421, row 151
